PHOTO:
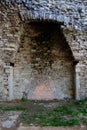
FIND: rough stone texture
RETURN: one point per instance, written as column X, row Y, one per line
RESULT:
column 71, row 15
column 70, row 12
column 9, row 119
column 44, row 64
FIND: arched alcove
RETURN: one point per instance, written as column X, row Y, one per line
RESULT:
column 21, row 73
column 44, row 63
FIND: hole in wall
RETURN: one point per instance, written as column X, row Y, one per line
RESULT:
column 11, row 64
column 75, row 62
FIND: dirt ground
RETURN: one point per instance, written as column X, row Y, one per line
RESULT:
column 35, row 105
column 53, row 128
column 10, row 120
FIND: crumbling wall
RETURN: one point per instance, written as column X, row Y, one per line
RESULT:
column 72, row 17
column 43, row 67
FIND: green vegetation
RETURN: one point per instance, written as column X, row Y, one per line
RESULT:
column 16, row 108
column 24, row 100
column 73, row 113
column 68, row 115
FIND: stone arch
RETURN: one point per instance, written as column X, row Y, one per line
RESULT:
column 43, row 60
column 30, row 10
column 32, row 15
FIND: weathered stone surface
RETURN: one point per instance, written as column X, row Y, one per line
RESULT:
column 9, row 119
column 44, row 64
column 17, row 49
column 71, row 13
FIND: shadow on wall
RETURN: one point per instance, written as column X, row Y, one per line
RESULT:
column 48, row 70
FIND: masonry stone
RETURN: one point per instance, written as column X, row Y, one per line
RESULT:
column 43, row 44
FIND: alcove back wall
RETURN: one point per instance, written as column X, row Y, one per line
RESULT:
column 44, row 63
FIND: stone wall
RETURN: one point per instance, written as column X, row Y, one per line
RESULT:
column 43, row 67
column 70, row 15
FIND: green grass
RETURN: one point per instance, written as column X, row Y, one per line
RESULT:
column 16, row 108
column 24, row 100
column 74, row 113
column 68, row 115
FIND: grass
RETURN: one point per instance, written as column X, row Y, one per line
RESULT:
column 16, row 108
column 74, row 113
column 24, row 100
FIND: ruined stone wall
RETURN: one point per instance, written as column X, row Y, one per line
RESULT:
column 79, row 49
column 71, row 15
column 9, row 39
column 44, row 64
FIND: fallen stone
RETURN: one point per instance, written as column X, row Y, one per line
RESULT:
column 8, row 123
